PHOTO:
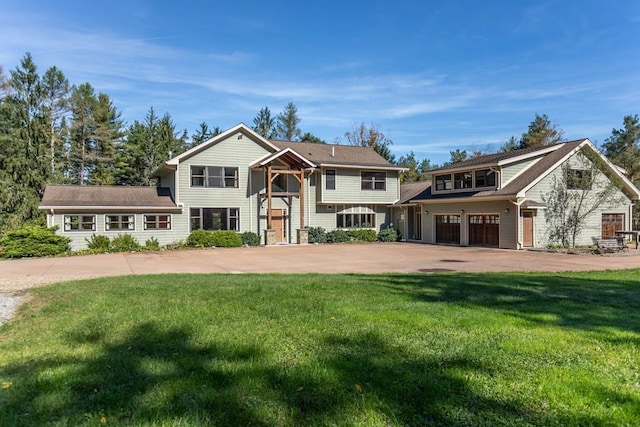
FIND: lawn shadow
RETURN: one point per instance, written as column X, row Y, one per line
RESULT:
column 158, row 376
column 579, row 302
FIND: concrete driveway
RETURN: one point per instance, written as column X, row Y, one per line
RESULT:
column 17, row 275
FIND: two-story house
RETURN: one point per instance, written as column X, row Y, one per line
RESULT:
column 236, row 181
column 498, row 200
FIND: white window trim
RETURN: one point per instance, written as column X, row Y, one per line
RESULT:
column 119, row 230
column 144, row 222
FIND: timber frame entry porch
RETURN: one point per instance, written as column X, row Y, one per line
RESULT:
column 287, row 162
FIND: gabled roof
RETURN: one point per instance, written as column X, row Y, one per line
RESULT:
column 501, row 159
column 413, row 190
column 106, row 197
column 550, row 160
column 241, row 127
column 287, row 156
column 337, row 155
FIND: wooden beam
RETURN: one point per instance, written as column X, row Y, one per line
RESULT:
column 269, row 197
column 301, row 179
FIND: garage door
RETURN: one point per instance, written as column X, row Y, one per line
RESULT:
column 612, row 223
column 484, row 230
column 448, row 229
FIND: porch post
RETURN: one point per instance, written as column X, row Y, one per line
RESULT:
column 301, row 197
column 269, row 197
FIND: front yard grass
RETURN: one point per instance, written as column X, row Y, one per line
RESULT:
column 397, row 349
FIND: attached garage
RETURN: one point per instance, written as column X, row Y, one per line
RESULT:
column 484, row 230
column 448, row 229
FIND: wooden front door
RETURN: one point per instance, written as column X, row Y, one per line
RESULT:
column 278, row 217
column 612, row 223
column 527, row 229
column 484, row 230
column 448, row 229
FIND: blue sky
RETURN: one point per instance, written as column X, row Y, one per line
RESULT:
column 433, row 75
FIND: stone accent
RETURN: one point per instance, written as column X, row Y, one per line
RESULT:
column 303, row 236
column 269, row 237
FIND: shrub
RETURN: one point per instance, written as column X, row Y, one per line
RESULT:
column 226, row 239
column 317, row 235
column 33, row 240
column 388, row 235
column 200, row 239
column 124, row 243
column 249, row 238
column 362, row 235
column 98, row 243
column 152, row 244
column 337, row 236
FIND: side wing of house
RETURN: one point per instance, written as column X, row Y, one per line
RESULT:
column 605, row 199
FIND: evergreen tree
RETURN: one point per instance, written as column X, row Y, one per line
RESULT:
column 82, row 150
column 458, row 156
column 287, row 123
column 264, row 124
column 23, row 146
column 203, row 133
column 147, row 146
column 309, row 137
column 108, row 135
column 541, row 132
column 623, row 147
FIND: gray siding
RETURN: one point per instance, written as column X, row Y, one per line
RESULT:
column 593, row 224
column 78, row 238
column 348, row 188
column 508, row 220
column 232, row 152
column 508, row 172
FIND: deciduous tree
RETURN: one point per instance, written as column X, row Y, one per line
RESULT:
column 371, row 136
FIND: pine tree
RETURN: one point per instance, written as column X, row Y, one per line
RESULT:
column 287, row 123
column 623, row 147
column 541, row 132
column 264, row 124
column 56, row 90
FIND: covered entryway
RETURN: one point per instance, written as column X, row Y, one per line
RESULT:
column 448, row 229
column 414, row 224
column 484, row 230
column 612, row 222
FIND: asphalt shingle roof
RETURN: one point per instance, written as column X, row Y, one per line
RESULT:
column 60, row 196
column 335, row 154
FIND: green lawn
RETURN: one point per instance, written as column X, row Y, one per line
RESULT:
column 402, row 349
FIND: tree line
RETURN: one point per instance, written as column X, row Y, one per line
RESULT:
column 54, row 132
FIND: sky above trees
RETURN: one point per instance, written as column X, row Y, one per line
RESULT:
column 434, row 76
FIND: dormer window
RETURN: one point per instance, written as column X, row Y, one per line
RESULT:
column 485, row 178
column 444, row 182
column 463, row 180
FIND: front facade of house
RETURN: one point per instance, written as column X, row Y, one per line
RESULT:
column 501, row 200
column 236, row 181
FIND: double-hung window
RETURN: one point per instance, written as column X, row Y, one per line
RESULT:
column 444, row 182
column 463, row 180
column 214, row 176
column 79, row 223
column 330, row 179
column 157, row 222
column 119, row 222
column 376, row 181
column 485, row 178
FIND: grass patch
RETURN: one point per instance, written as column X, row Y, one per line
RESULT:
column 398, row 349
